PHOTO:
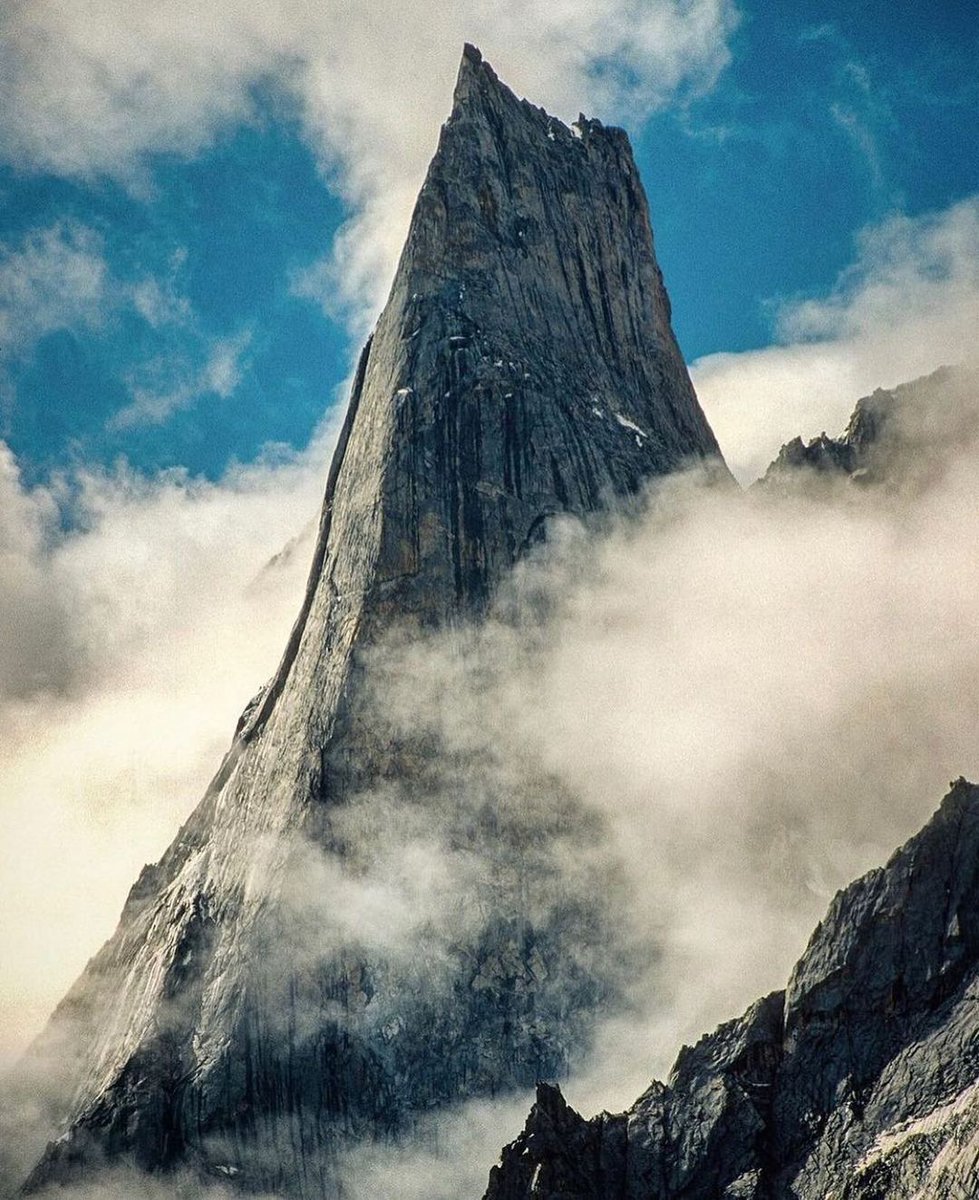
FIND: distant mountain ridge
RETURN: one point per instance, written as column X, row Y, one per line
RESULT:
column 899, row 438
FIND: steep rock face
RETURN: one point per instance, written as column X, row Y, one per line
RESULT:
column 856, row 1083
column 523, row 367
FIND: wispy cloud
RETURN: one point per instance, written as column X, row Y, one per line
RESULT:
column 60, row 277
column 858, row 104
column 218, row 376
column 158, row 299
column 909, row 303
column 859, row 131
column 55, row 278
column 826, row 31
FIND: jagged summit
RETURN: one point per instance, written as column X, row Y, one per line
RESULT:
column 474, row 73
column 479, row 88
column 523, row 367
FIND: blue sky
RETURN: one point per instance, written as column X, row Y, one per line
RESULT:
column 196, row 329
column 829, row 118
column 204, row 258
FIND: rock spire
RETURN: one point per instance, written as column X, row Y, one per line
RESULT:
column 524, row 367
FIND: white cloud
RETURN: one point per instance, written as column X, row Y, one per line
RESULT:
column 158, row 301
column 909, row 304
column 222, row 371
column 450, row 1157
column 93, row 86
column 219, row 375
column 38, row 648
column 56, row 278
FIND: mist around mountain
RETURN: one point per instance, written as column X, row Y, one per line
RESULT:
column 744, row 758
column 738, row 702
column 524, row 368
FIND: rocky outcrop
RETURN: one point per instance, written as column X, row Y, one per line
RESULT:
column 902, row 439
column 238, row 1023
column 859, row 1082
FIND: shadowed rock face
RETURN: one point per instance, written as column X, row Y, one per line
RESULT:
column 524, row 367
column 856, row 1083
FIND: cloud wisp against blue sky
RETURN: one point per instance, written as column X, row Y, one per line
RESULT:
column 246, row 172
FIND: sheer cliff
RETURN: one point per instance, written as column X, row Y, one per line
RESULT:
column 858, row 1082
column 523, row 367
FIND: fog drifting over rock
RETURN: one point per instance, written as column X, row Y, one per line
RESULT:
column 762, row 695
column 757, row 697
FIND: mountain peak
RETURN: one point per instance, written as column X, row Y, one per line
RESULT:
column 476, row 77
column 523, row 368
column 473, row 61
column 480, row 96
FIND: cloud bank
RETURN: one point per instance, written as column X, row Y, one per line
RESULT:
column 759, row 696
column 135, row 642
column 130, row 646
